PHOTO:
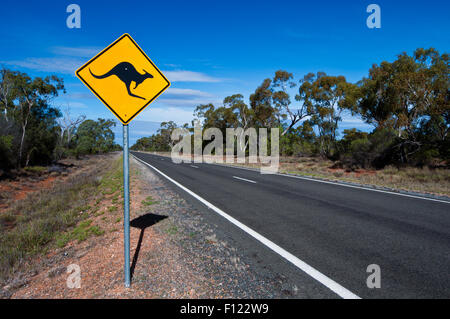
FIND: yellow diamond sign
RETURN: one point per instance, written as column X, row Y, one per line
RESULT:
column 124, row 78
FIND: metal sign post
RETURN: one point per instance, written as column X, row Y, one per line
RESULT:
column 126, row 60
column 126, row 206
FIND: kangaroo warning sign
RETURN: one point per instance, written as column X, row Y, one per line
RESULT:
column 124, row 78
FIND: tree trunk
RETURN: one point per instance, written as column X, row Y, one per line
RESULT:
column 21, row 146
column 28, row 157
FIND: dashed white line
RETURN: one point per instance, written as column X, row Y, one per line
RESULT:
column 194, row 166
column 339, row 184
column 244, row 179
column 317, row 275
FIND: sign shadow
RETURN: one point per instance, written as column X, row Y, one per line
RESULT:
column 143, row 222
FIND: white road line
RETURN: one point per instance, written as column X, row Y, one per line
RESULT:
column 194, row 166
column 367, row 189
column 324, row 280
column 244, row 179
column 336, row 183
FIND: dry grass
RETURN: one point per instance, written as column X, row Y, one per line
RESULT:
column 54, row 216
column 423, row 180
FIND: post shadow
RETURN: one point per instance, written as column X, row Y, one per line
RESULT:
column 142, row 222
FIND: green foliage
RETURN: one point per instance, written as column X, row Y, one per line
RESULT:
column 149, row 201
column 407, row 101
column 31, row 224
column 6, row 151
column 160, row 142
column 411, row 96
column 326, row 98
column 112, row 209
column 83, row 231
column 28, row 121
column 31, row 132
column 172, row 230
column 265, row 115
column 95, row 137
column 360, row 149
column 112, row 182
column 299, row 141
column 36, row 169
column 154, row 143
column 55, row 216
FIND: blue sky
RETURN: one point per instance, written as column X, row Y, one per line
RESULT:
column 212, row 49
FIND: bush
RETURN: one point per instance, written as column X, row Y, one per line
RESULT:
column 6, row 152
column 359, row 149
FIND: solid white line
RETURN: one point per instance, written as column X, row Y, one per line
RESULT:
column 324, row 280
column 365, row 188
column 244, row 179
column 337, row 183
column 334, row 183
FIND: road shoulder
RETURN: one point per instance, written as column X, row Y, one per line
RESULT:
column 178, row 249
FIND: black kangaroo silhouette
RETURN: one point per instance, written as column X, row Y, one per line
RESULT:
column 127, row 73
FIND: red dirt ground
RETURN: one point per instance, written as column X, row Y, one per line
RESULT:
column 13, row 190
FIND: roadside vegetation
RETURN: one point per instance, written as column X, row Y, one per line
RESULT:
column 33, row 132
column 52, row 218
column 407, row 102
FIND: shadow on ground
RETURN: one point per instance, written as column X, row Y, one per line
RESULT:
column 143, row 222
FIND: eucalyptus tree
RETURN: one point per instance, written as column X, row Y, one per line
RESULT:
column 281, row 83
column 325, row 98
column 261, row 104
column 6, row 90
column 33, row 96
column 409, row 95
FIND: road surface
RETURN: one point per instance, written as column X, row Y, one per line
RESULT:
column 326, row 231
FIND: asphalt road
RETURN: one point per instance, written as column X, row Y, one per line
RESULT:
column 337, row 230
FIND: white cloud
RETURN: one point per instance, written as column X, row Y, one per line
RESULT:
column 187, row 102
column 83, row 52
column 77, row 105
column 354, row 122
column 55, row 64
column 185, row 98
column 184, row 93
column 79, row 95
column 171, row 65
column 178, row 115
column 65, row 102
column 72, row 60
column 352, row 119
column 189, row 76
